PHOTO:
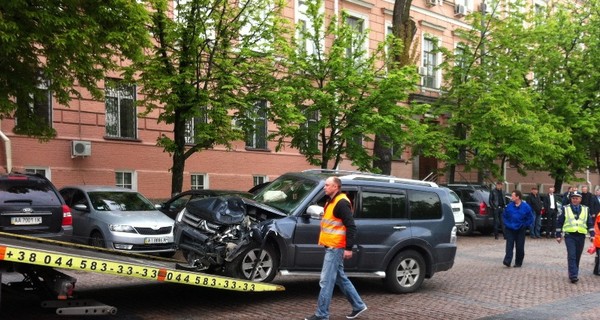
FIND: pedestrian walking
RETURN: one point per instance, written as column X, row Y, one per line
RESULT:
column 597, row 245
column 549, row 203
column 575, row 223
column 498, row 203
column 337, row 235
column 535, row 202
column 517, row 217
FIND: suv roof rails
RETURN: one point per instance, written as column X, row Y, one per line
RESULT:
column 358, row 175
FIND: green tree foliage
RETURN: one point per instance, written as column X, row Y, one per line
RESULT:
column 491, row 106
column 209, row 65
column 335, row 96
column 61, row 44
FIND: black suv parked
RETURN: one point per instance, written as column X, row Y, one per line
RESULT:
column 478, row 214
column 406, row 230
column 31, row 205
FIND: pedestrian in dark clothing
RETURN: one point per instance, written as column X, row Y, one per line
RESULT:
column 517, row 217
column 595, row 208
column 575, row 223
column 549, row 203
column 586, row 197
column 566, row 198
column 535, row 202
column 497, row 203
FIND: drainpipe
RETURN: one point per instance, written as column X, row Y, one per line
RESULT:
column 7, row 149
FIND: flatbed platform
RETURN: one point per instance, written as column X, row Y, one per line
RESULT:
column 65, row 255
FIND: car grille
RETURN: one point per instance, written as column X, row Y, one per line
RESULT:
column 150, row 231
column 151, row 247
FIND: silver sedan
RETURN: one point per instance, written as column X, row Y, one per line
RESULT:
column 118, row 218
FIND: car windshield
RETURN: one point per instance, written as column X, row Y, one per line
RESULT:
column 286, row 193
column 119, row 201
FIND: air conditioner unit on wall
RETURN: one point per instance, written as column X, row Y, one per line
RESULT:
column 81, row 148
column 460, row 10
column 434, row 2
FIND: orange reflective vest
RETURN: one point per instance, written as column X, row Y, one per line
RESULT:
column 597, row 232
column 333, row 231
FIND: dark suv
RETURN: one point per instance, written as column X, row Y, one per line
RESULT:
column 405, row 230
column 478, row 214
column 31, row 205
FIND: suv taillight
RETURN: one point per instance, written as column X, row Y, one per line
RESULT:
column 67, row 218
column 482, row 208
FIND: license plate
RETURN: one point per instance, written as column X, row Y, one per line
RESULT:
column 156, row 240
column 25, row 220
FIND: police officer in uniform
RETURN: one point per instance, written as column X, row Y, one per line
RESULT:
column 575, row 223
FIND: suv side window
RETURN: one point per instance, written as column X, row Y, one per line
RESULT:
column 424, row 205
column 383, row 205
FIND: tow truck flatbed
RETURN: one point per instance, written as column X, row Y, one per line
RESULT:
column 66, row 255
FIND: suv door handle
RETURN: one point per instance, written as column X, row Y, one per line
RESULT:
column 400, row 227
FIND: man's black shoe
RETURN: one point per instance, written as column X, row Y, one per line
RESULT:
column 574, row 280
column 356, row 313
column 506, row 264
column 517, row 265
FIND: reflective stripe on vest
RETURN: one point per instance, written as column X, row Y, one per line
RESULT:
column 333, row 231
column 575, row 225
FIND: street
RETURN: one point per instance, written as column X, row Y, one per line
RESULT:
column 477, row 287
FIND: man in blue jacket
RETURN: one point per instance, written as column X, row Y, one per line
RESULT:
column 517, row 217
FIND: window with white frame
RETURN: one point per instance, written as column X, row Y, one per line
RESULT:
column 429, row 73
column 125, row 179
column 253, row 24
column 38, row 170
column 358, row 24
column 259, row 180
column 304, row 24
column 121, row 118
column 256, row 137
column 312, row 129
column 198, row 181
column 192, row 124
column 40, row 101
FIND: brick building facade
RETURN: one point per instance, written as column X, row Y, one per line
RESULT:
column 106, row 156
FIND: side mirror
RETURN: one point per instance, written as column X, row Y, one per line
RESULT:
column 81, row 207
column 315, row 212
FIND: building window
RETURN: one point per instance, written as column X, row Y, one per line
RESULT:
column 37, row 170
column 304, row 29
column 124, row 179
column 256, row 137
column 198, row 181
column 259, row 180
column 120, row 109
column 39, row 104
column 192, row 125
column 358, row 26
column 312, row 128
column 430, row 62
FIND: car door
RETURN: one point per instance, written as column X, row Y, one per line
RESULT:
column 81, row 218
column 382, row 222
column 307, row 254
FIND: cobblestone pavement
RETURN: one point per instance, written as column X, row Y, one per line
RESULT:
column 477, row 287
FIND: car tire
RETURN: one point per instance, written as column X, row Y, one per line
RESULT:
column 241, row 267
column 466, row 229
column 97, row 240
column 405, row 273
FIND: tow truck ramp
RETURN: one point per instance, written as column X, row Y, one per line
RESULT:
column 37, row 259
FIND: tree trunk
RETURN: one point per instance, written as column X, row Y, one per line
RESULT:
column 403, row 28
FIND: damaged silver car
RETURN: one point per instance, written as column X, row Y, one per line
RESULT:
column 405, row 230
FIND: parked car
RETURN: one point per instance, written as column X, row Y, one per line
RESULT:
column 31, row 205
column 478, row 213
column 457, row 207
column 405, row 230
column 172, row 207
column 118, row 218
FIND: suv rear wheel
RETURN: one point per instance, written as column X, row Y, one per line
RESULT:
column 242, row 266
column 466, row 229
column 405, row 273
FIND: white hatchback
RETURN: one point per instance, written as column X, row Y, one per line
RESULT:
column 457, row 207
